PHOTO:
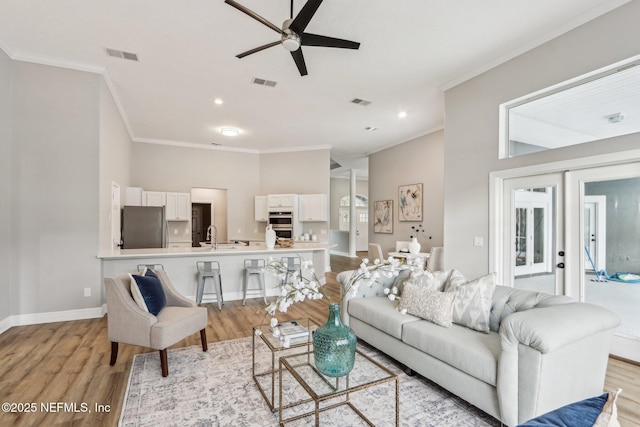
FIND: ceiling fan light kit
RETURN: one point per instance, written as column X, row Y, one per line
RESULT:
column 292, row 35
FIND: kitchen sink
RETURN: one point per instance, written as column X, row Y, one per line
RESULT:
column 224, row 245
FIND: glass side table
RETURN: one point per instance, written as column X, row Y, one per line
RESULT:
column 264, row 334
column 366, row 373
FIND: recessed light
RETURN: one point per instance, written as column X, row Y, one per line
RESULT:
column 402, row 114
column 229, row 131
column 218, row 101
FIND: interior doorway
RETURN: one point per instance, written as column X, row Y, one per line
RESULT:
column 200, row 221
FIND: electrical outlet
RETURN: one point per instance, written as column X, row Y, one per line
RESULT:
column 87, row 292
column 478, row 241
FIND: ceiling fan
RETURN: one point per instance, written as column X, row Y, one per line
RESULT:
column 292, row 35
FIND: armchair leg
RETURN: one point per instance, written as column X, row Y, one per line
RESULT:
column 203, row 338
column 163, row 362
column 114, row 353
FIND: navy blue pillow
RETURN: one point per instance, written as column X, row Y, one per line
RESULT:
column 578, row 414
column 151, row 290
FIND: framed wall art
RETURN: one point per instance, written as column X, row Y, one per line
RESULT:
column 410, row 202
column 383, row 216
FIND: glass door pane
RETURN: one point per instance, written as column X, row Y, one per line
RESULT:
column 603, row 239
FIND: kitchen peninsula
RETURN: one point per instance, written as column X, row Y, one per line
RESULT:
column 180, row 264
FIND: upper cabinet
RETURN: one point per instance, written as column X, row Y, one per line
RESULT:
column 154, row 198
column 276, row 201
column 178, row 207
column 261, row 208
column 133, row 196
column 312, row 207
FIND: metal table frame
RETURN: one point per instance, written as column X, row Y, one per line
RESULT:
column 291, row 368
column 269, row 342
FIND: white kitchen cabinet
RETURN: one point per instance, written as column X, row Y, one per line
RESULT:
column 276, row 201
column 154, row 198
column 312, row 207
column 178, row 206
column 133, row 196
column 261, row 208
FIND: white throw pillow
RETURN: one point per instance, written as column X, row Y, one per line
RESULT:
column 434, row 306
column 135, row 293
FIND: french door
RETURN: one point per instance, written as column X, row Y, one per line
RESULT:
column 594, row 214
column 532, row 233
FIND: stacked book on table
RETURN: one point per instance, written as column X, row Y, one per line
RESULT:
column 292, row 330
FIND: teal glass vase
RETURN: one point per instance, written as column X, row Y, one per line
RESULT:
column 334, row 345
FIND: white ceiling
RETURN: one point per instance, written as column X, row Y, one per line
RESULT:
column 410, row 51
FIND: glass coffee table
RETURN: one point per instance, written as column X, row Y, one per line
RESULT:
column 366, row 373
column 264, row 334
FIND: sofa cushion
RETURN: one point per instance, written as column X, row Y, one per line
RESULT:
column 381, row 313
column 473, row 304
column 434, row 306
column 465, row 349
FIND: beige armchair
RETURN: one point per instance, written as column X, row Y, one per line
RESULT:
column 128, row 323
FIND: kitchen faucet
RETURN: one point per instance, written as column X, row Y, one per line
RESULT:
column 215, row 235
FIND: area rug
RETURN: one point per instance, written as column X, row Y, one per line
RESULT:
column 216, row 389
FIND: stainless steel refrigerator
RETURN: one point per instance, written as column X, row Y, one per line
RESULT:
column 143, row 227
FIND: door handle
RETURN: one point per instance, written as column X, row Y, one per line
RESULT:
column 561, row 265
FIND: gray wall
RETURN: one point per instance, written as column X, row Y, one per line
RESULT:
column 471, row 111
column 623, row 222
column 418, row 161
column 6, row 270
column 115, row 160
column 54, row 205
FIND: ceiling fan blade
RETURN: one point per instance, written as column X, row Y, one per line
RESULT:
column 299, row 60
column 258, row 49
column 301, row 21
column 254, row 15
column 308, row 39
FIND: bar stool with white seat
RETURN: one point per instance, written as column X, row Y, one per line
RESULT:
column 292, row 264
column 254, row 267
column 209, row 269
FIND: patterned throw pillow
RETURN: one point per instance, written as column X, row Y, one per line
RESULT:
column 473, row 304
column 434, row 281
column 434, row 306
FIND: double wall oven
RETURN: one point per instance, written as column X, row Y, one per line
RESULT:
column 282, row 223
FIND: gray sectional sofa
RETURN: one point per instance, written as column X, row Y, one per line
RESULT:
column 542, row 351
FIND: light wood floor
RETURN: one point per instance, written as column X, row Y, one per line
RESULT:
column 68, row 362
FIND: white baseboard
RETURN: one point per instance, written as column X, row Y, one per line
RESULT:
column 339, row 253
column 5, row 324
column 50, row 317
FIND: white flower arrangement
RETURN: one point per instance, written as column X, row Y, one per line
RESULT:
column 296, row 287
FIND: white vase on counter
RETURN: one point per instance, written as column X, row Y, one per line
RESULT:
column 414, row 246
column 270, row 237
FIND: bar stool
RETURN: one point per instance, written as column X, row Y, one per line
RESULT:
column 292, row 264
column 141, row 267
column 254, row 267
column 209, row 269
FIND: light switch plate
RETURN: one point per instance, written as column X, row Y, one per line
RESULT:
column 478, row 241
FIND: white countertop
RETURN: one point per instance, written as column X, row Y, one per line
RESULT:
column 207, row 251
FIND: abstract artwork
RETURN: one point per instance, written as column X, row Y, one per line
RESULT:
column 410, row 202
column 383, row 216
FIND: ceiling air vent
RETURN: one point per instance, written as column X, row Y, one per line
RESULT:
column 334, row 165
column 122, row 55
column 263, row 82
column 359, row 101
